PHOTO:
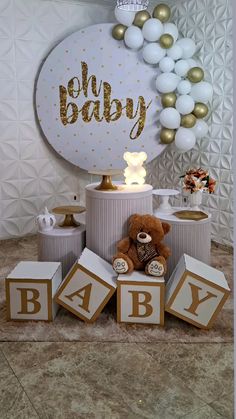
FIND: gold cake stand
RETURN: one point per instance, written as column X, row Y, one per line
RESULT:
column 69, row 212
column 106, row 183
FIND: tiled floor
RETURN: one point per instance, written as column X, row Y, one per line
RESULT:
column 105, row 380
column 84, row 380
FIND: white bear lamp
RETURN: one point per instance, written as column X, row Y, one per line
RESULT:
column 135, row 172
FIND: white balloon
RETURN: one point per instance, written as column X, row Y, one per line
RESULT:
column 184, row 87
column 124, row 17
column 152, row 29
column 200, row 129
column 166, row 65
column 188, row 46
column 170, row 118
column 192, row 62
column 181, row 68
column 184, row 104
column 167, row 82
column 153, row 53
column 133, row 37
column 172, row 29
column 202, row 91
column 185, row 139
column 175, row 52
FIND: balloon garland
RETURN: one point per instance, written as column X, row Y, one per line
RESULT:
column 184, row 92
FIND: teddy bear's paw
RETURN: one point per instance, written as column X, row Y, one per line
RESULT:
column 120, row 266
column 155, row 268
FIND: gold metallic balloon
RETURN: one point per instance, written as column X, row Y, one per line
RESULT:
column 195, row 74
column 200, row 110
column 166, row 40
column 118, row 32
column 161, row 12
column 140, row 18
column 188, row 121
column 167, row 135
column 168, row 100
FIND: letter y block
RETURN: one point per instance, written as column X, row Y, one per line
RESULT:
column 196, row 292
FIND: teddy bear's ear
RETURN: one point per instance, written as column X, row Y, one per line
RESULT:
column 126, row 155
column 166, row 227
column 143, row 155
column 133, row 218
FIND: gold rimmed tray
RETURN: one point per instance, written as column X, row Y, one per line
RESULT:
column 190, row 215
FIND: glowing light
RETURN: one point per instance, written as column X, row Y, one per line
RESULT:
column 135, row 172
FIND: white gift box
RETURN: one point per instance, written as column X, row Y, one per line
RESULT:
column 30, row 289
column 196, row 292
column 88, row 286
column 140, row 298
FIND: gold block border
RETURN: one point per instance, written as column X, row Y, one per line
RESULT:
column 75, row 268
column 8, row 281
column 204, row 281
column 145, row 283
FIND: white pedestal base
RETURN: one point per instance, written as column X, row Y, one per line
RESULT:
column 63, row 245
column 186, row 236
column 107, row 215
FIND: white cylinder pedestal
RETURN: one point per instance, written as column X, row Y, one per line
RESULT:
column 63, row 245
column 107, row 214
column 186, row 236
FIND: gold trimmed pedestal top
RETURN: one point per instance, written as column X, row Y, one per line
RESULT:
column 170, row 216
column 122, row 191
column 69, row 211
column 106, row 183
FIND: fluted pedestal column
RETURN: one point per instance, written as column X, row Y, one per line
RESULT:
column 63, row 245
column 107, row 214
column 186, row 236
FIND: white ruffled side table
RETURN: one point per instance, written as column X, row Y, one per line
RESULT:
column 107, row 214
column 63, row 245
column 186, row 236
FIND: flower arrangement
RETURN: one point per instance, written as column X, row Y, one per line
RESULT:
column 198, row 180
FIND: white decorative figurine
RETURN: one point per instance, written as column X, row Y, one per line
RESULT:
column 46, row 221
column 135, row 172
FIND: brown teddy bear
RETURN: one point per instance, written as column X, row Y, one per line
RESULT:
column 143, row 248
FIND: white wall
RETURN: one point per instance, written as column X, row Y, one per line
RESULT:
column 209, row 23
column 32, row 175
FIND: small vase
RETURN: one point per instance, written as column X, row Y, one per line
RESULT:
column 195, row 200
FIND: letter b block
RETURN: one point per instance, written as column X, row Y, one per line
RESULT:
column 196, row 292
column 88, row 286
column 30, row 289
column 140, row 298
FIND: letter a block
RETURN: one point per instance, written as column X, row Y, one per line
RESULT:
column 30, row 289
column 140, row 298
column 196, row 292
column 88, row 286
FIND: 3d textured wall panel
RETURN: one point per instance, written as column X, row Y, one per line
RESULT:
column 32, row 174
column 209, row 23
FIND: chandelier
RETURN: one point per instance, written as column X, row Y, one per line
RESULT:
column 132, row 5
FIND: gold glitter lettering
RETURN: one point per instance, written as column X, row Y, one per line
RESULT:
column 95, row 112
column 73, row 87
column 108, row 104
column 85, row 81
column 112, row 108
column 141, row 110
column 65, row 108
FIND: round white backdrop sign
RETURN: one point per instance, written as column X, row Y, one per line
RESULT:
column 96, row 99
